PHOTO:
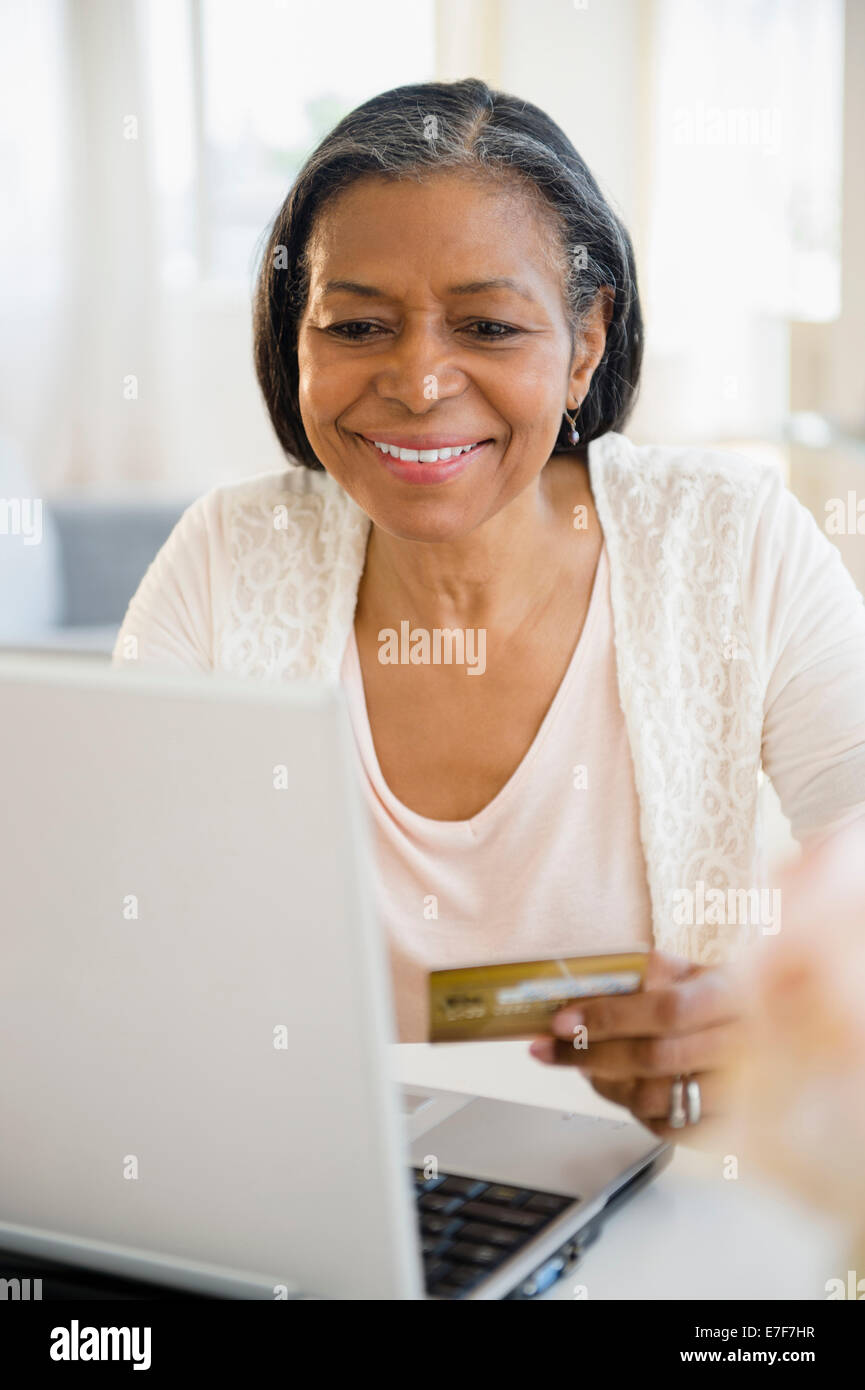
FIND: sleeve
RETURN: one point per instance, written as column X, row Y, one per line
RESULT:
column 172, row 619
column 806, row 621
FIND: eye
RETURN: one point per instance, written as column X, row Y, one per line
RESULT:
column 356, row 331
column 499, row 330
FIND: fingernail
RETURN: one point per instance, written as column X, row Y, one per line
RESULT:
column 565, row 1024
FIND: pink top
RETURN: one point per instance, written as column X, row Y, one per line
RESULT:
column 550, row 866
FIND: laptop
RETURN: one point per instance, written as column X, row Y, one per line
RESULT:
column 196, row 1020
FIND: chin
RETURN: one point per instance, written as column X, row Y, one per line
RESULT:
column 423, row 524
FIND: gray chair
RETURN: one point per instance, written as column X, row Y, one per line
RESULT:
column 70, row 591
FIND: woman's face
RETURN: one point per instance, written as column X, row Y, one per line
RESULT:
column 435, row 319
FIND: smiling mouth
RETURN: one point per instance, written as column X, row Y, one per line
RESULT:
column 442, row 454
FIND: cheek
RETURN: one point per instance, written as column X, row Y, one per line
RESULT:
column 529, row 394
column 321, row 393
column 329, row 381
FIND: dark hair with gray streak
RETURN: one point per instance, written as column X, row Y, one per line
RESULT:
column 411, row 132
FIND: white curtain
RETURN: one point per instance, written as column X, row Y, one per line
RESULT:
column 79, row 260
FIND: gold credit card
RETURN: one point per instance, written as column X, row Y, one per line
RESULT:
column 518, row 999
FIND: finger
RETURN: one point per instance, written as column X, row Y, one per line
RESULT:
column 648, row 1098
column 707, row 997
column 662, row 972
column 546, row 1050
column 707, row 1135
column 622, row 1058
column 662, row 968
column 619, row 1092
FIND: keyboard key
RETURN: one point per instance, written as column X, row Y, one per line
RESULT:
column 506, row 1216
column 508, row 1196
column 442, row 1226
column 549, row 1202
column 464, row 1276
column 425, row 1184
column 444, row 1205
column 434, row 1247
column 463, row 1187
column 492, row 1235
column 435, row 1271
column 487, row 1255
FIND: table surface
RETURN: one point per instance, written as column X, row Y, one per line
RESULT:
column 692, row 1233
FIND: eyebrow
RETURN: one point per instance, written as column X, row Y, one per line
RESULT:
column 499, row 282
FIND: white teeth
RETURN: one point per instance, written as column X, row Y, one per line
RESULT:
column 423, row 455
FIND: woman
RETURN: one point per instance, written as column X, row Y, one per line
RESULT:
column 448, row 338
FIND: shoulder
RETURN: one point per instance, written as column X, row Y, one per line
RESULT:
column 301, row 501
column 662, row 472
column 292, row 486
column 702, row 501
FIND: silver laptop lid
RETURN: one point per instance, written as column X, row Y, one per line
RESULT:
column 194, row 1000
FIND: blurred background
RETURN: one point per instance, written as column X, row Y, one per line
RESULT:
column 145, row 145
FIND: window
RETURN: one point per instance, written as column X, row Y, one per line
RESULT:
column 241, row 93
column 744, row 233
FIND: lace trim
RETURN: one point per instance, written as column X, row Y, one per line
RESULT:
column 687, row 677
column 297, row 554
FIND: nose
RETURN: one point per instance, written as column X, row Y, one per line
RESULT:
column 420, row 366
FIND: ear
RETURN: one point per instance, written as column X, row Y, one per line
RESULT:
column 590, row 346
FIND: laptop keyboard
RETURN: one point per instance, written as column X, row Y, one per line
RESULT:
column 469, row 1227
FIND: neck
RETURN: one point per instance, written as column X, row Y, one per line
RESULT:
column 494, row 577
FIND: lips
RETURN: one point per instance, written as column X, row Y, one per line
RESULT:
column 438, row 462
column 424, row 448
column 429, row 453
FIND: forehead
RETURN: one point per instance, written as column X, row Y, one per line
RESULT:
column 464, row 226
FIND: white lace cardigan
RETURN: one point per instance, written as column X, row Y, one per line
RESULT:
column 739, row 636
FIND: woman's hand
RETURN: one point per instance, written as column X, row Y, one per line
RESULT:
column 685, row 1021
